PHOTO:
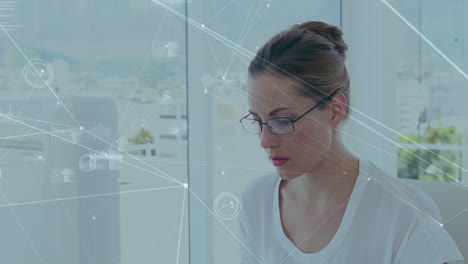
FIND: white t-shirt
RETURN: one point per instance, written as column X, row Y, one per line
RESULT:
column 386, row 221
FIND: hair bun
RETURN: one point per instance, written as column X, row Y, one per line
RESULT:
column 332, row 33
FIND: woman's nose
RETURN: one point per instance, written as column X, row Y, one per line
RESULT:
column 267, row 138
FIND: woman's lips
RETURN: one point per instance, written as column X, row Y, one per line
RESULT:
column 279, row 162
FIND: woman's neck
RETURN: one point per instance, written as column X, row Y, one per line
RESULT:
column 330, row 182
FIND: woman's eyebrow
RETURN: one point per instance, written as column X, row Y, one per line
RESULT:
column 272, row 112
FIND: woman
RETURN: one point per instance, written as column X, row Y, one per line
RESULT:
column 324, row 204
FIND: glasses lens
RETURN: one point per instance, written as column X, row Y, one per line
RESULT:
column 251, row 125
column 280, row 126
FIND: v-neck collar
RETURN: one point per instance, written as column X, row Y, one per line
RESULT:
column 329, row 250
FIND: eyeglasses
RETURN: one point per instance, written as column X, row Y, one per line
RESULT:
column 277, row 125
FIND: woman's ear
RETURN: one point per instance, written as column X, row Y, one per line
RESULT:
column 338, row 108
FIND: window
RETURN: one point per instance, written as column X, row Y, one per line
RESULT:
column 407, row 64
column 85, row 88
column 433, row 127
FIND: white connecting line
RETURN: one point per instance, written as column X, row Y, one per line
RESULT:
column 425, row 39
column 38, row 74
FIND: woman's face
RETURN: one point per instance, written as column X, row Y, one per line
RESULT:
column 307, row 146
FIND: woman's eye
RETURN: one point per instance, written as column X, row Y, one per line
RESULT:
column 288, row 116
column 284, row 122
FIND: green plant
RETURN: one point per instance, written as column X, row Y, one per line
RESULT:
column 430, row 164
column 142, row 137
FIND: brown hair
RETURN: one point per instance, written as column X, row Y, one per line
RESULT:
column 312, row 54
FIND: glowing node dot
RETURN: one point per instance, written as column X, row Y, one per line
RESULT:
column 202, row 26
column 219, row 148
column 222, row 172
column 441, row 225
column 94, row 218
column 81, row 128
column 58, row 103
column 185, row 185
column 38, row 73
column 206, row 90
column 344, row 172
column 39, row 157
column 268, row 5
column 224, row 78
column 368, row 179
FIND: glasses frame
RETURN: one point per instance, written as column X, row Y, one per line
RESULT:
column 292, row 121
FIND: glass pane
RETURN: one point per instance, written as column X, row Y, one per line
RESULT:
column 431, row 92
column 92, row 116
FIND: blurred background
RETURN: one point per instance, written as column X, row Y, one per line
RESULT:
column 120, row 139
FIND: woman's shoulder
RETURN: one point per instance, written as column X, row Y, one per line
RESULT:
column 400, row 192
column 418, row 235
